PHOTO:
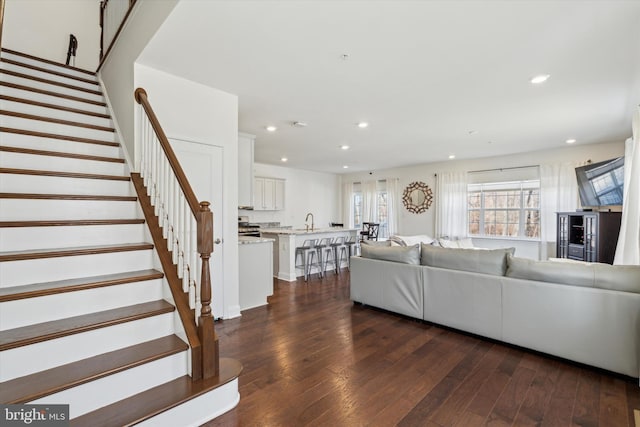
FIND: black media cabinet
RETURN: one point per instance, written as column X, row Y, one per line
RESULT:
column 588, row 236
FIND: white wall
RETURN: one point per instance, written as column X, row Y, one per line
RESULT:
column 193, row 112
column 409, row 223
column 42, row 27
column 305, row 191
column 117, row 70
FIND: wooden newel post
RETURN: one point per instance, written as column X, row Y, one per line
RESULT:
column 206, row 329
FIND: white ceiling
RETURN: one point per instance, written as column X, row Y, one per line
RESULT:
column 422, row 73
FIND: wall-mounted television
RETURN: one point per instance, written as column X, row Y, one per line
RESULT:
column 602, row 183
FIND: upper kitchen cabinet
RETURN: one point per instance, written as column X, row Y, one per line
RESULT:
column 245, row 170
column 268, row 194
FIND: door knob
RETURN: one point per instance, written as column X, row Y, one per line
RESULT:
column 217, row 241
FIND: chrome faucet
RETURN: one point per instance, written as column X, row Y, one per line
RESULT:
column 307, row 219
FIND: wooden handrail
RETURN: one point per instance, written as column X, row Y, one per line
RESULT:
column 207, row 357
column 104, row 53
column 1, row 19
column 194, row 205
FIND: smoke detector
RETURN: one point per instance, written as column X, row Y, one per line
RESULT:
column 299, row 124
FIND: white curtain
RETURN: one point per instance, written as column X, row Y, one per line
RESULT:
column 392, row 205
column 558, row 193
column 369, row 205
column 628, row 249
column 347, row 204
column 451, row 204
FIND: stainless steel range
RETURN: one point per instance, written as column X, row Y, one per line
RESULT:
column 245, row 228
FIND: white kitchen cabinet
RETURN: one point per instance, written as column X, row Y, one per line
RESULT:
column 246, row 144
column 268, row 194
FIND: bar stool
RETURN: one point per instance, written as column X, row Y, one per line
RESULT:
column 324, row 250
column 307, row 252
column 338, row 243
column 352, row 244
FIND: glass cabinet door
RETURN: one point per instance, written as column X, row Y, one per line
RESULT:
column 590, row 238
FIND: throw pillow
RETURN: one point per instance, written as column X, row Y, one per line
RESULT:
column 412, row 240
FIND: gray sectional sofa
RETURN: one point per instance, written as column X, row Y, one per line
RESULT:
column 589, row 313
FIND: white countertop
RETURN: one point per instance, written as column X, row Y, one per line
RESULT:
column 303, row 231
column 247, row 240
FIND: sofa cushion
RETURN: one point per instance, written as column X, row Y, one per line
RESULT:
column 576, row 274
column 404, row 255
column 624, row 278
column 491, row 261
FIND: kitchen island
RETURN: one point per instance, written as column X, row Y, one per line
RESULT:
column 287, row 240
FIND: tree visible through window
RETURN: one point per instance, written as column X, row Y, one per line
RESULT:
column 509, row 209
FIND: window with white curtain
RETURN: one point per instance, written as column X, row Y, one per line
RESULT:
column 379, row 209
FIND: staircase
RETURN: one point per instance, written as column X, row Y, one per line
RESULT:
column 86, row 317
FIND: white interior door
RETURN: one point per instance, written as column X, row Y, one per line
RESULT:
column 202, row 164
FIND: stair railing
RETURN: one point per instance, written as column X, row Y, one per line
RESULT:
column 187, row 225
column 113, row 15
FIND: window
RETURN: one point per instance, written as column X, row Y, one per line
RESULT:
column 380, row 209
column 505, row 209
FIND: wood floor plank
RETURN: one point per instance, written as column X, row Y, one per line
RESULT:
column 613, row 403
column 312, row 358
column 587, row 405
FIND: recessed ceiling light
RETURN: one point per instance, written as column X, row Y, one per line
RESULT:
column 540, row 79
column 452, row 156
column 283, row 159
column 271, row 128
column 345, row 167
column 570, row 141
column 344, row 147
column 363, row 125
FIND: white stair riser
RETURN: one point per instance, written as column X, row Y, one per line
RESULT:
column 52, row 87
column 47, row 66
column 16, row 183
column 26, row 360
column 61, row 164
column 40, row 210
column 199, row 410
column 56, row 128
column 22, row 107
column 31, row 311
column 52, row 144
column 56, row 100
column 25, row 238
column 16, row 273
column 104, row 391
column 49, row 76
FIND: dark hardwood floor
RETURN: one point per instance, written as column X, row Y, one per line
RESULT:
column 311, row 357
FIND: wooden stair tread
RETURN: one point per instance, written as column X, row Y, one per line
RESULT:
column 40, row 384
column 44, row 70
column 48, row 61
column 26, row 335
column 154, row 401
column 61, row 174
column 52, row 93
column 58, row 136
column 75, row 251
column 56, row 121
column 66, row 197
column 54, row 106
column 69, row 222
column 50, row 82
column 61, row 154
column 70, row 285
